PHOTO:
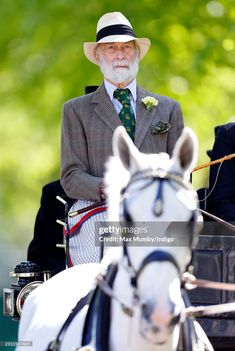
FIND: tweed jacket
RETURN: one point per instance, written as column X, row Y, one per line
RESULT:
column 86, row 139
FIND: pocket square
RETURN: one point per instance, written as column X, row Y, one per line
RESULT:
column 160, row 128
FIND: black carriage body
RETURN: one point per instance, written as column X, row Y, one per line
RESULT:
column 214, row 259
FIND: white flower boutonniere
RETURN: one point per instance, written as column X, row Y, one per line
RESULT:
column 149, row 102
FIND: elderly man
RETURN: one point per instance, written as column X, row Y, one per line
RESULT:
column 153, row 122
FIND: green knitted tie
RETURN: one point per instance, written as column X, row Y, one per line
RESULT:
column 126, row 114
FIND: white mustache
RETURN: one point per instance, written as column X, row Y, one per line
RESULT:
column 117, row 63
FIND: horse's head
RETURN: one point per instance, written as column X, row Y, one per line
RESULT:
column 154, row 189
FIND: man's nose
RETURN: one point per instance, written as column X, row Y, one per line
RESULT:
column 119, row 54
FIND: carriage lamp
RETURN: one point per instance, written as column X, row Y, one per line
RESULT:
column 29, row 277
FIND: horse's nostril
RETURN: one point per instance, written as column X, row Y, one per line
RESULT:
column 155, row 329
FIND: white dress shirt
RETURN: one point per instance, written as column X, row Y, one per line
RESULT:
column 110, row 88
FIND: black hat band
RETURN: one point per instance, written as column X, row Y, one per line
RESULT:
column 115, row 30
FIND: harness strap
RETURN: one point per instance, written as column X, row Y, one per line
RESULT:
column 104, row 313
column 88, row 335
column 55, row 344
column 158, row 205
column 188, row 332
column 96, row 327
column 133, row 278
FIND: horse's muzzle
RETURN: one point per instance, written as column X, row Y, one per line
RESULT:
column 156, row 327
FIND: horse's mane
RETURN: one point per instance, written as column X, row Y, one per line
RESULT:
column 116, row 178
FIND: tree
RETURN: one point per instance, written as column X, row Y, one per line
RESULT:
column 42, row 65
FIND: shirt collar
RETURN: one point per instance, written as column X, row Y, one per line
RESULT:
column 110, row 88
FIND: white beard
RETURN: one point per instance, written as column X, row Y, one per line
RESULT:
column 119, row 74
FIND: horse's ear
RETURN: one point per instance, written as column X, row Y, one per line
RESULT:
column 124, row 149
column 185, row 153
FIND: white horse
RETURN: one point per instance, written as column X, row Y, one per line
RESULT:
column 146, row 301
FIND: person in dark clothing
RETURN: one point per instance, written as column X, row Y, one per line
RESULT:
column 203, row 192
column 221, row 201
column 47, row 233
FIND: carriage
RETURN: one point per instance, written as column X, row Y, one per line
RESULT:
column 214, row 260
column 216, row 253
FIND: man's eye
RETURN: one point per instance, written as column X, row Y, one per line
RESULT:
column 128, row 47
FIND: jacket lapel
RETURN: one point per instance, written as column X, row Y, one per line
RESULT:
column 105, row 109
column 144, row 118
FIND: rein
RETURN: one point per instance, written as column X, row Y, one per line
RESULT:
column 219, row 220
column 191, row 282
column 202, row 311
column 87, row 208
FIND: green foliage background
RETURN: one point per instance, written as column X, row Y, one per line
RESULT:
column 192, row 59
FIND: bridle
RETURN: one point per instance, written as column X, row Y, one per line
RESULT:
column 152, row 174
column 158, row 255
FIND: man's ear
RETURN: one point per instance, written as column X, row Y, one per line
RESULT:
column 96, row 54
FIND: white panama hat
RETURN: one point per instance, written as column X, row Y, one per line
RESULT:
column 114, row 27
